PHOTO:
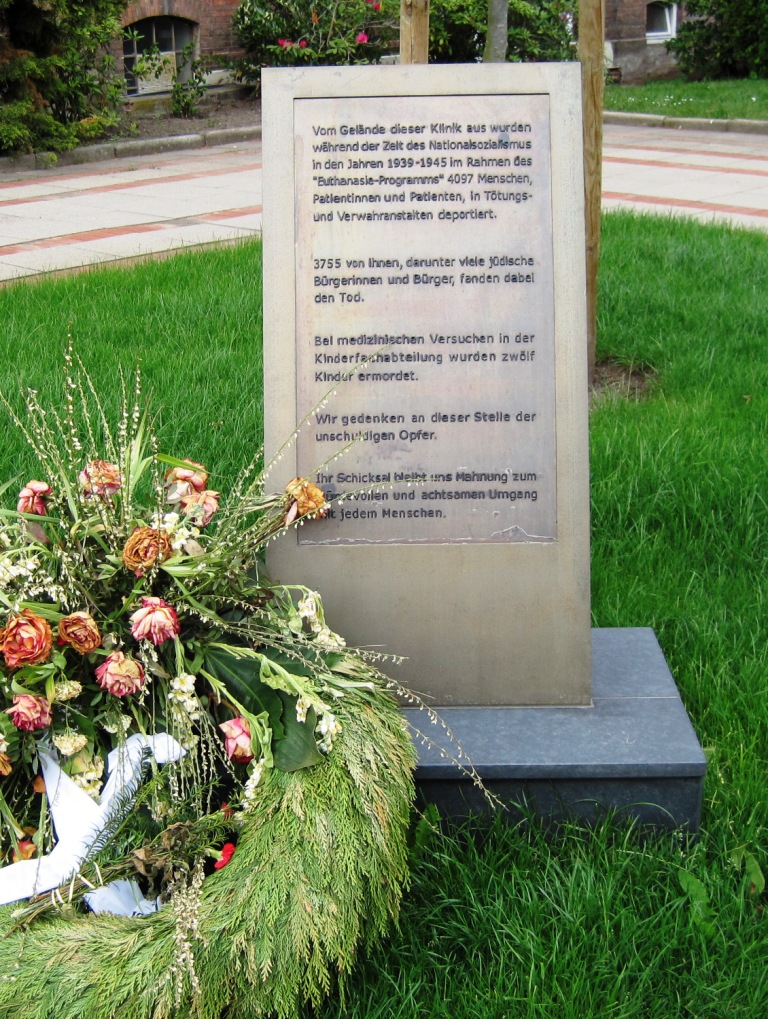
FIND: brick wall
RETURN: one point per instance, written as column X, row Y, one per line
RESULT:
column 214, row 18
column 625, row 31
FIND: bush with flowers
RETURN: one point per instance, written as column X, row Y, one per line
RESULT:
column 284, row 33
column 204, row 794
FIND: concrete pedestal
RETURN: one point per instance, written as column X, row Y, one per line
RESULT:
column 633, row 752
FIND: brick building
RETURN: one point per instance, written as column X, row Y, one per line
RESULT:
column 635, row 34
column 205, row 26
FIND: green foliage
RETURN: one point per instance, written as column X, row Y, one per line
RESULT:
column 725, row 99
column 54, row 72
column 537, row 30
column 188, row 84
column 723, row 39
column 287, row 33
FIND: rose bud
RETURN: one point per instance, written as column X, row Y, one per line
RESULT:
column 80, row 631
column 155, row 620
column 225, row 855
column 120, row 675
column 181, row 481
column 26, row 640
column 144, row 548
column 99, row 478
column 200, row 506
column 30, row 712
column 32, row 498
column 237, row 740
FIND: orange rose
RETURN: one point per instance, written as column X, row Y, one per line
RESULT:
column 80, row 631
column 182, row 481
column 200, row 506
column 304, row 498
column 99, row 478
column 6, row 767
column 120, row 675
column 26, row 640
column 144, row 548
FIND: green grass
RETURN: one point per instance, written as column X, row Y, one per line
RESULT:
column 713, row 100
column 512, row 923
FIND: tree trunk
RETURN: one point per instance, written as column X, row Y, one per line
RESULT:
column 496, row 37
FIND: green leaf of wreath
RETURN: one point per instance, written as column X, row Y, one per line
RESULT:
column 241, row 678
column 298, row 748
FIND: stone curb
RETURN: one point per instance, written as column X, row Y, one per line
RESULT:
column 135, row 147
column 685, row 123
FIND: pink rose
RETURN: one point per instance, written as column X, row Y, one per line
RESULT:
column 98, row 478
column 30, row 712
column 32, row 498
column 155, row 620
column 362, row 38
column 237, row 740
column 200, row 506
column 26, row 639
column 302, row 44
column 181, row 481
column 285, row 43
column 120, row 675
column 377, row 7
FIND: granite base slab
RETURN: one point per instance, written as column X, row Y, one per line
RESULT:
column 633, row 752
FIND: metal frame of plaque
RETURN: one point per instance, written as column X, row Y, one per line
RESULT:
column 424, row 315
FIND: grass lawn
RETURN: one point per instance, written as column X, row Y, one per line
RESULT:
column 712, row 100
column 501, row 922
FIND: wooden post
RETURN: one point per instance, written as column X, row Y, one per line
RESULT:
column 414, row 32
column 591, row 55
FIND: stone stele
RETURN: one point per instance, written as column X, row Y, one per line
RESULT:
column 425, row 323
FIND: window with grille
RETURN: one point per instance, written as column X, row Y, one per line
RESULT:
column 172, row 39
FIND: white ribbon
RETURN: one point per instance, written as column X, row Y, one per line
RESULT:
column 79, row 820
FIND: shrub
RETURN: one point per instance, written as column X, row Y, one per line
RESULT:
column 54, row 71
column 284, row 33
column 723, row 39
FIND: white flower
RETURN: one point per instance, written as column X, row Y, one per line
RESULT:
column 70, row 743
column 124, row 720
column 251, row 785
column 307, row 607
column 3, row 743
column 66, row 690
column 329, row 639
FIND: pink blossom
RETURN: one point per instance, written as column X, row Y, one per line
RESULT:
column 120, row 675
column 99, row 478
column 285, row 43
column 377, row 7
column 362, row 38
column 156, row 620
column 302, row 44
column 181, row 481
column 32, row 498
column 30, row 712
column 237, row 740
column 201, row 506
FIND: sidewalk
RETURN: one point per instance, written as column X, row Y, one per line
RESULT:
column 195, row 192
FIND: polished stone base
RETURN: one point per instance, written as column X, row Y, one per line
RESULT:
column 633, row 752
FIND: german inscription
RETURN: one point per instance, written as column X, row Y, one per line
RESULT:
column 424, row 301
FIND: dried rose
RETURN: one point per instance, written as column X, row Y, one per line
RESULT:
column 32, row 498
column 26, row 640
column 30, row 712
column 304, row 497
column 226, row 854
column 155, row 620
column 99, row 478
column 6, row 767
column 80, row 631
column 181, row 481
column 144, row 548
column 200, row 506
column 237, row 740
column 120, row 675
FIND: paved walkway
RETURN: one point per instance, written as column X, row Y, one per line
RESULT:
column 130, row 207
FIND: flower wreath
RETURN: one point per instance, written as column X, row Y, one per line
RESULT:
column 204, row 794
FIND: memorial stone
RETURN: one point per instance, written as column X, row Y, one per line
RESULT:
column 425, row 317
